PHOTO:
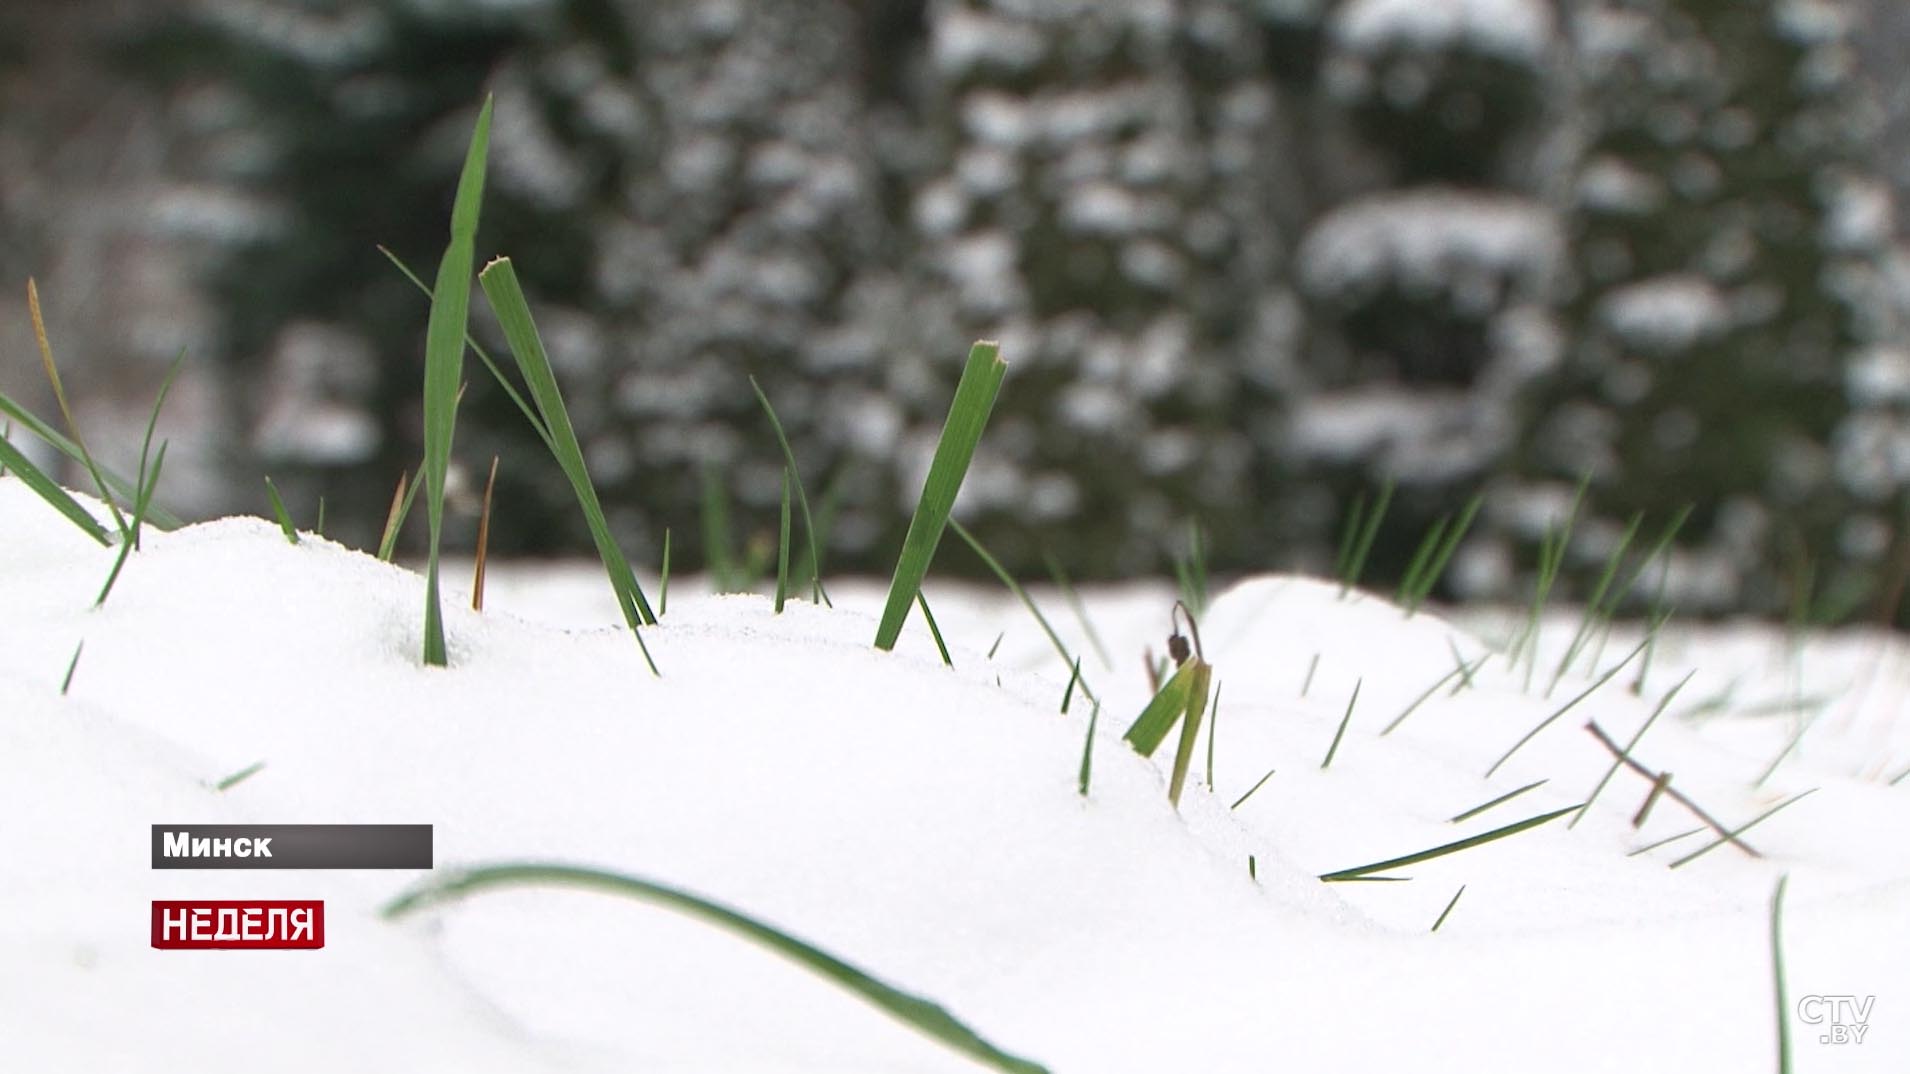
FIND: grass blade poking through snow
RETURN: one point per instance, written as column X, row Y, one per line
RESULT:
column 499, row 281
column 1344, row 720
column 1568, row 706
column 817, row 594
column 1355, row 549
column 66, row 683
column 279, row 512
column 444, row 368
column 17, row 464
column 967, row 417
column 1447, row 912
column 1190, row 727
column 1364, row 871
column 917, row 1013
column 782, row 548
column 483, row 556
column 1777, row 977
column 933, row 630
column 1087, row 751
column 1027, row 601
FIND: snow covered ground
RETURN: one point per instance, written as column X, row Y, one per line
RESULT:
column 922, row 823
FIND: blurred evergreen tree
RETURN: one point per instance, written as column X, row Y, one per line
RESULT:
column 1729, row 245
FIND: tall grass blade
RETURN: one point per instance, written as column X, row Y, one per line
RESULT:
column 1087, row 751
column 1080, row 610
column 49, row 490
column 149, row 479
column 401, row 500
column 1189, row 728
column 1442, row 558
column 1162, row 713
column 817, row 593
column 1732, row 836
column 279, row 512
column 1027, row 601
column 914, row 1011
column 1363, row 547
column 1777, row 977
column 1595, row 609
column 506, row 296
column 1364, row 871
column 66, row 411
column 1213, row 732
column 967, row 417
column 663, row 576
column 934, row 631
column 157, row 516
column 1567, row 707
column 782, row 547
column 444, row 368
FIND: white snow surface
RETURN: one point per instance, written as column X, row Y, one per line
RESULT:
column 921, row 822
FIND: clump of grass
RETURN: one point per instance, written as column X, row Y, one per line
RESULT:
column 1435, row 553
column 916, row 1012
column 1183, row 701
column 279, row 512
column 506, row 296
column 444, row 368
column 1344, row 720
column 1365, row 872
column 967, row 417
column 1595, row 610
column 1356, row 542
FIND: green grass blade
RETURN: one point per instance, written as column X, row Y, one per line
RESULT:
column 1595, row 610
column 1742, row 828
column 444, row 368
column 1567, row 707
column 240, row 776
column 1406, row 597
column 279, row 512
column 1344, row 720
column 484, row 356
column 782, row 548
column 914, row 1011
column 1213, row 732
column 1067, row 695
column 401, row 500
column 1363, row 547
column 1313, row 665
column 66, row 681
column 1447, row 549
column 141, row 504
column 934, row 630
column 1363, row 871
column 1189, row 728
column 1027, row 601
column 1251, row 791
column 1162, row 713
column 1447, row 912
column 817, row 593
column 158, row 517
column 967, row 417
column 1496, row 802
column 663, row 576
column 49, row 490
column 145, row 484
column 66, row 411
column 1080, row 610
column 1087, row 752
column 499, row 281
column 1422, row 699
column 1777, row 977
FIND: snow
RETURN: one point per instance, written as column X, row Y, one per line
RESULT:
column 1514, row 29
column 919, row 821
column 1666, row 314
column 1434, row 241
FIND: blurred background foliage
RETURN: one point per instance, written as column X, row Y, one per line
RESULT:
column 1248, row 259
